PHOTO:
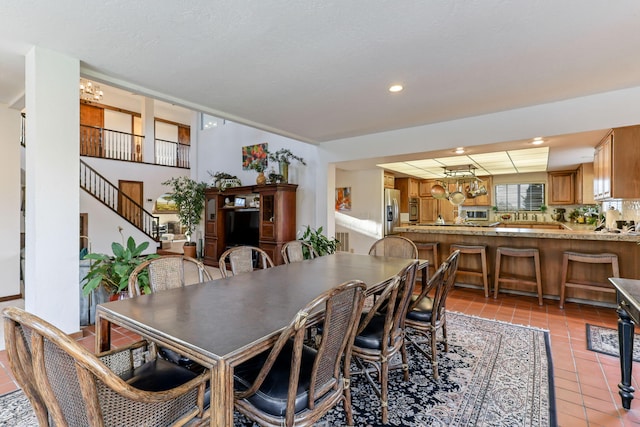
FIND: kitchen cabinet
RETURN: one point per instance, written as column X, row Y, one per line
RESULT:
column 428, row 210
column 275, row 219
column 616, row 165
column 584, row 184
column 389, row 180
column 425, row 187
column 485, row 200
column 409, row 189
column 561, row 188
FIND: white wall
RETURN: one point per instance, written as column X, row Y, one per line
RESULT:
column 364, row 221
column 219, row 149
column 10, row 192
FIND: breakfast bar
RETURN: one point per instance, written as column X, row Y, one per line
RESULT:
column 551, row 243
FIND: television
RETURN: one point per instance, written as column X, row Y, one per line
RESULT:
column 242, row 227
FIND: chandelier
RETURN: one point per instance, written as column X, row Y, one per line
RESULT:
column 90, row 91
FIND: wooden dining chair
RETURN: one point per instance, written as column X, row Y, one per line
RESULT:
column 394, row 246
column 160, row 274
column 381, row 332
column 243, row 259
column 293, row 384
column 165, row 272
column 427, row 313
column 69, row 386
column 295, row 250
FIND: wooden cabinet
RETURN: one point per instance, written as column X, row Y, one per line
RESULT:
column 428, row 210
column 585, row 184
column 409, row 188
column 389, row 180
column 271, row 224
column 424, row 187
column 616, row 165
column 485, row 200
column 561, row 188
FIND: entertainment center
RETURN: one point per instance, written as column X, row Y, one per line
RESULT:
column 256, row 215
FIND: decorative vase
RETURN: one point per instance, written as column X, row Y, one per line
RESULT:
column 284, row 172
column 189, row 250
column 261, row 179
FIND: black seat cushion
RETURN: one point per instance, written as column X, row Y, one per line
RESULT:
column 178, row 359
column 371, row 336
column 422, row 312
column 158, row 375
column 271, row 397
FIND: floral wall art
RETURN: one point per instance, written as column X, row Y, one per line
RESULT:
column 253, row 154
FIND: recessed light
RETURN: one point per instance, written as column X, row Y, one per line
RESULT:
column 459, row 150
column 537, row 140
column 395, row 88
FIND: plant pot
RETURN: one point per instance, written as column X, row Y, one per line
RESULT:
column 189, row 250
column 261, row 179
column 118, row 296
column 284, row 171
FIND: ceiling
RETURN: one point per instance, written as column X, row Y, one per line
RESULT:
column 318, row 71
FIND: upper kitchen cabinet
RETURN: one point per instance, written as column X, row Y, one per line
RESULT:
column 389, row 180
column 584, row 184
column 484, row 200
column 561, row 188
column 616, row 164
column 409, row 188
column 424, row 188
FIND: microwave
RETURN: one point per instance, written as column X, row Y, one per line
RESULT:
column 475, row 214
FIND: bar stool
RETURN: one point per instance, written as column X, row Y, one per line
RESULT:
column 601, row 258
column 513, row 278
column 483, row 271
column 433, row 259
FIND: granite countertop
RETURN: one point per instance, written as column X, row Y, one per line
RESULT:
column 571, row 231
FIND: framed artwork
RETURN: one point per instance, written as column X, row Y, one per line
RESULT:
column 254, row 153
column 343, row 199
column 165, row 205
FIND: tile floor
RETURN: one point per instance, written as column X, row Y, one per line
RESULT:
column 585, row 381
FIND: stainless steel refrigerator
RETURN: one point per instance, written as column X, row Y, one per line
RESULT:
column 391, row 210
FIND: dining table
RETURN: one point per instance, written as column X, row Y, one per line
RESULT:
column 221, row 323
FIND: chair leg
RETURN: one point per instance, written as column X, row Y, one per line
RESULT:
column 536, row 260
column 347, row 401
column 444, row 335
column 563, row 287
column 497, row 275
column 405, row 362
column 434, row 354
column 485, row 274
column 384, row 391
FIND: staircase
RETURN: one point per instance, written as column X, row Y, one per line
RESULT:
column 103, row 190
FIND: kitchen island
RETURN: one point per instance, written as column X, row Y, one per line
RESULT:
column 550, row 242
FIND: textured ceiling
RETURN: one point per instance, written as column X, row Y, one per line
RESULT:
column 318, row 70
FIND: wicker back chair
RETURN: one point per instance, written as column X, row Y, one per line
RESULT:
column 293, row 251
column 165, row 272
column 381, row 333
column 70, row 386
column 293, row 384
column 394, row 246
column 241, row 260
column 427, row 313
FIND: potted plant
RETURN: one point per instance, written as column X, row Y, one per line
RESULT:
column 223, row 180
column 112, row 271
column 284, row 157
column 189, row 198
column 322, row 244
column 258, row 165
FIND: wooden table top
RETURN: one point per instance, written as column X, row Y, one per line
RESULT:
column 224, row 317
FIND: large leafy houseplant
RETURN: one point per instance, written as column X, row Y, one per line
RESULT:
column 322, row 244
column 112, row 272
column 189, row 198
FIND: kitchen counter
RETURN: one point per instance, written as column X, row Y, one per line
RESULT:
column 526, row 231
column 551, row 245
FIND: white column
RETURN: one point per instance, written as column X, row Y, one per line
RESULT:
column 10, row 190
column 148, row 130
column 52, row 184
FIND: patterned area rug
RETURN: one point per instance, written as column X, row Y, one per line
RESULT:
column 494, row 374
column 605, row 340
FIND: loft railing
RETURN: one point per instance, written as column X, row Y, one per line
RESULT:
column 170, row 153
column 110, row 144
column 103, row 190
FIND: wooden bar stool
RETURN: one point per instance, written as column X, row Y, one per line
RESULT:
column 482, row 272
column 514, row 278
column 434, row 262
column 601, row 258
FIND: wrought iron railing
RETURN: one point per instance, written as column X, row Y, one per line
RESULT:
column 103, row 190
column 170, row 153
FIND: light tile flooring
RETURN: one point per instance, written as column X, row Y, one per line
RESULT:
column 585, row 382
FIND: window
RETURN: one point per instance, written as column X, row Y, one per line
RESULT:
column 524, row 197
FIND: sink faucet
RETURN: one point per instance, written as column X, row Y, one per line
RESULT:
column 524, row 215
column 535, row 217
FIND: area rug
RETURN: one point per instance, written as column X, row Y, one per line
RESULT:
column 495, row 373
column 605, row 340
